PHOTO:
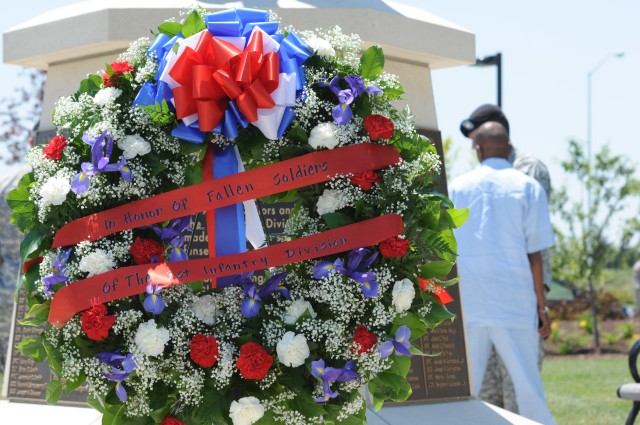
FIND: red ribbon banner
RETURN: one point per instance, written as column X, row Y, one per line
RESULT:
column 287, row 175
column 132, row 280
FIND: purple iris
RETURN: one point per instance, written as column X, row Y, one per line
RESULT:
column 171, row 235
column 153, row 303
column 256, row 293
column 121, row 368
column 355, row 267
column 101, row 149
column 400, row 344
column 342, row 111
column 330, row 374
column 58, row 276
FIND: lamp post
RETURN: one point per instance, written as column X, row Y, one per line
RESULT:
column 497, row 61
column 589, row 241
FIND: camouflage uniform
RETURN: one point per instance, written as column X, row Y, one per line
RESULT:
column 497, row 387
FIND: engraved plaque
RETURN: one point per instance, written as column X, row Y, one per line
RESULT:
column 27, row 379
column 446, row 376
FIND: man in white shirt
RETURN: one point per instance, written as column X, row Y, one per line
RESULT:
column 497, row 388
column 500, row 266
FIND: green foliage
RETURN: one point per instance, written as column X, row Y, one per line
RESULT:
column 193, row 24
column 54, row 391
column 90, row 85
column 371, row 63
column 34, row 348
column 581, row 251
column 159, row 113
column 24, row 213
column 336, row 219
column 37, row 315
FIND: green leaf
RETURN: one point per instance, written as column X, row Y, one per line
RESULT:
column 32, row 244
column 400, row 365
column 457, row 217
column 97, row 403
column 371, row 63
column 336, row 219
column 18, row 200
column 54, row 391
column 71, row 385
column 297, row 134
column 29, row 279
column 34, row 348
column 431, row 215
column 37, row 314
column 55, row 358
column 443, row 244
column 438, row 314
column 193, row 24
column 24, row 221
column 170, row 28
column 412, row 321
column 305, row 404
column 435, row 269
column 90, row 85
column 389, row 386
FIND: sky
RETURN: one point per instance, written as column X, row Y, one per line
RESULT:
column 548, row 48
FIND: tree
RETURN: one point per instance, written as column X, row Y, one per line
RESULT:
column 20, row 114
column 582, row 250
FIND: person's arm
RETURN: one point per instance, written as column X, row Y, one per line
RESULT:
column 535, row 261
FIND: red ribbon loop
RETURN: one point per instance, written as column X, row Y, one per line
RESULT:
column 216, row 71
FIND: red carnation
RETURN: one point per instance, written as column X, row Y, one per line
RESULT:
column 394, row 247
column 363, row 340
column 55, row 147
column 365, row 179
column 95, row 322
column 145, row 251
column 171, row 421
column 254, row 361
column 378, row 127
column 110, row 78
column 204, row 350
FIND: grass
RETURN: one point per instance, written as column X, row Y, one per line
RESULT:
column 581, row 390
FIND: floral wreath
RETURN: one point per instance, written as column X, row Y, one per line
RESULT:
column 358, row 281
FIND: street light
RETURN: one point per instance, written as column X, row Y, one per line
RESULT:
column 497, row 61
column 594, row 311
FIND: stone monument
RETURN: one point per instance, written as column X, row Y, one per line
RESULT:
column 419, row 43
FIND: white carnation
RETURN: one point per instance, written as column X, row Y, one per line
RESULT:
column 323, row 135
column 403, row 295
column 292, row 349
column 99, row 261
column 54, row 191
column 321, row 46
column 107, row 95
column 150, row 339
column 246, row 411
column 206, row 309
column 297, row 309
column 134, row 145
column 330, row 201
